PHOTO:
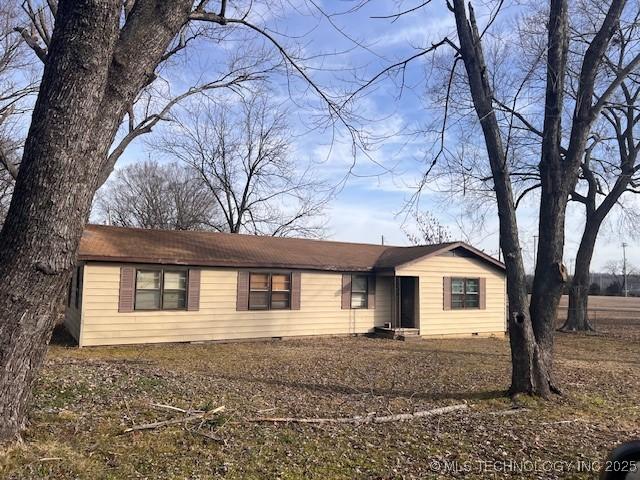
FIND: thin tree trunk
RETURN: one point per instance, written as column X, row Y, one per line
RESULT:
column 577, row 316
column 92, row 73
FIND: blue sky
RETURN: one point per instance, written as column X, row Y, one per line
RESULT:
column 371, row 203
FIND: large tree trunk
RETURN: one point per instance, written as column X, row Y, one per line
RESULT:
column 577, row 316
column 51, row 198
column 550, row 274
column 529, row 374
column 92, row 73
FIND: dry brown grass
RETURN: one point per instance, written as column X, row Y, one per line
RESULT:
column 86, row 397
column 612, row 316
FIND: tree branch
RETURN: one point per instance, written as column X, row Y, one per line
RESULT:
column 622, row 74
column 32, row 42
column 9, row 166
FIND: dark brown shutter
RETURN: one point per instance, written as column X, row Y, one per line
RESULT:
column 193, row 292
column 447, row 293
column 483, row 293
column 346, row 291
column 242, row 300
column 371, row 291
column 295, row 291
column 127, row 289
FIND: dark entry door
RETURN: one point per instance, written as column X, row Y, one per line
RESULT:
column 407, row 290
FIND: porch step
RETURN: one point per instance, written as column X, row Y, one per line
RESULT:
column 402, row 334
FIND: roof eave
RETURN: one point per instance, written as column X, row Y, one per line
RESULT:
column 218, row 264
column 452, row 246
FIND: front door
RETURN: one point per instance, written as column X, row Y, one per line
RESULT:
column 407, row 301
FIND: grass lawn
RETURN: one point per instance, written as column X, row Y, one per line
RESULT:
column 85, row 398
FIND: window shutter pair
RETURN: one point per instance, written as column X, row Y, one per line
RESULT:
column 346, row 291
column 128, row 286
column 447, row 293
column 242, row 296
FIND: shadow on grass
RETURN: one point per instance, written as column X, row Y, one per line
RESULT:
column 380, row 392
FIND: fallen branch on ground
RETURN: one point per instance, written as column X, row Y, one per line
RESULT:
column 560, row 422
column 176, row 409
column 401, row 417
column 510, row 411
column 203, row 416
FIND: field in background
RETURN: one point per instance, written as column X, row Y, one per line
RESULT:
column 86, row 398
column 613, row 316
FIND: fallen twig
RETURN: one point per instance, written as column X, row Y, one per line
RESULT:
column 510, row 411
column 371, row 418
column 202, row 416
column 267, row 410
column 559, row 422
column 176, row 409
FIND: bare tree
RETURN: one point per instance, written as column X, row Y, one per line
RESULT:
column 154, row 195
column 250, row 64
column 570, row 117
column 241, row 151
column 100, row 56
column 17, row 88
column 607, row 181
column 532, row 323
column 6, row 190
column 603, row 182
column 428, row 230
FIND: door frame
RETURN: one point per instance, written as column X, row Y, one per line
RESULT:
column 398, row 292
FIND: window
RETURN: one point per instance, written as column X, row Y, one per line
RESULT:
column 161, row 290
column 465, row 293
column 359, row 291
column 174, row 290
column 269, row 291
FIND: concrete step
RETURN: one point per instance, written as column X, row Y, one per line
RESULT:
column 402, row 334
column 409, row 338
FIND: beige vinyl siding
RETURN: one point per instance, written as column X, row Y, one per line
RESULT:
column 434, row 320
column 217, row 319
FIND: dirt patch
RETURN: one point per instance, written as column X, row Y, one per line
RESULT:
column 85, row 398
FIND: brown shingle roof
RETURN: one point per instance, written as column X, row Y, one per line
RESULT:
column 116, row 244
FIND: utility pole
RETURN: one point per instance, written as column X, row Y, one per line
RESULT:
column 624, row 268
